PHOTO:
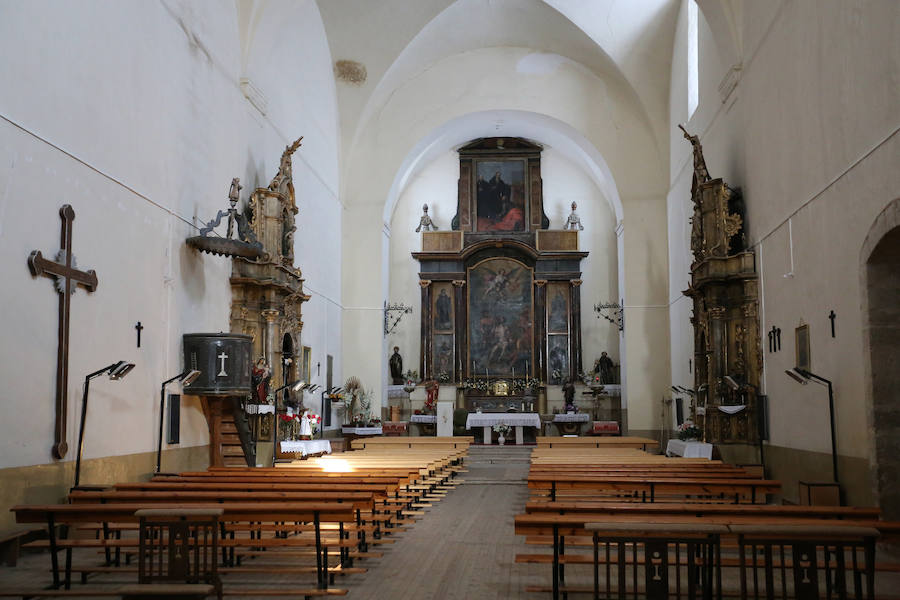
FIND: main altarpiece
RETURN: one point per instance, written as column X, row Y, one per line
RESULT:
column 500, row 291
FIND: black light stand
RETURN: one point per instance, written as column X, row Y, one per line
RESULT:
column 803, row 376
column 186, row 377
column 116, row 371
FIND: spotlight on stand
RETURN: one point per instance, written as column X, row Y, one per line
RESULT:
column 185, row 378
column 115, row 371
column 803, row 376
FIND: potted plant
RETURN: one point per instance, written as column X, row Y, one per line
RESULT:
column 502, row 429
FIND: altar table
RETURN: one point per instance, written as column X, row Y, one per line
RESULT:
column 689, row 449
column 305, row 447
column 517, row 420
column 570, row 423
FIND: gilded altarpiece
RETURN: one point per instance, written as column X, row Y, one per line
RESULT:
column 488, row 284
column 267, row 293
column 725, row 292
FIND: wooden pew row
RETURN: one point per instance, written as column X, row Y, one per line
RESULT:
column 316, row 513
column 229, row 487
column 632, row 545
column 559, row 486
column 596, row 442
column 460, row 442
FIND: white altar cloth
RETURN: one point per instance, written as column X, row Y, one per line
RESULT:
column 260, row 409
column 517, row 420
column 689, row 449
column 362, row 430
column 511, row 419
column 306, row 446
column 572, row 418
column 423, row 419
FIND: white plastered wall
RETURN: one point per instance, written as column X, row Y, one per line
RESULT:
column 810, row 135
column 132, row 113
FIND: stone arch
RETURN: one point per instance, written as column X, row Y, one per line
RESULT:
column 880, row 284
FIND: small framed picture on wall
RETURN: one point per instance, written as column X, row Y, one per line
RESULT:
column 802, row 345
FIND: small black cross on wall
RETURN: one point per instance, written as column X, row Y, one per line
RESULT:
column 832, row 316
column 139, row 328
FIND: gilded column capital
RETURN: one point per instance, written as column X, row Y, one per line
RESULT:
column 576, row 282
column 459, row 282
column 540, row 282
column 425, row 283
column 270, row 314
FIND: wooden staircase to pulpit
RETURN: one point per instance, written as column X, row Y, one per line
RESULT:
column 229, row 433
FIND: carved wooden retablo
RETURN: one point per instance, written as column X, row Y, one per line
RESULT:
column 725, row 292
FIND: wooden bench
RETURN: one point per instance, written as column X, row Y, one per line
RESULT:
column 247, row 512
column 657, row 489
column 596, row 442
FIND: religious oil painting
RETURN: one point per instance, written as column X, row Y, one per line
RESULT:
column 443, row 307
column 443, row 355
column 558, row 308
column 500, row 318
column 558, row 358
column 500, row 195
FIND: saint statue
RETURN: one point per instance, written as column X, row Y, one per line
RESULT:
column 425, row 222
column 260, row 375
column 574, row 221
column 396, row 366
column 604, row 368
column 443, row 310
column 568, row 389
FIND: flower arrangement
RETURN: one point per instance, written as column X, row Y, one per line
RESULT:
column 689, row 431
column 314, row 422
column 502, row 429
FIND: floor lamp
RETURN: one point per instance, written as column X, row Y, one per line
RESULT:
column 186, row 378
column 116, row 371
column 803, row 376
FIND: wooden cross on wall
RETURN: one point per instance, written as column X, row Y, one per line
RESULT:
column 67, row 278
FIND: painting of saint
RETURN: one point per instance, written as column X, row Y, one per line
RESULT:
column 558, row 315
column 443, row 355
column 558, row 357
column 443, row 311
column 500, row 195
column 500, row 330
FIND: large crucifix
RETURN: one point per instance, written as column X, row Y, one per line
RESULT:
column 68, row 277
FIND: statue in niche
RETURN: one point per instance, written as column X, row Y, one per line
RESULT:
column 425, row 222
column 574, row 221
column 260, row 375
column 396, row 365
column 287, row 237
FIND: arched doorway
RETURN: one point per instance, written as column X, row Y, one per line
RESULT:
column 881, row 323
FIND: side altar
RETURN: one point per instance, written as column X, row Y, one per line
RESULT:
column 500, row 291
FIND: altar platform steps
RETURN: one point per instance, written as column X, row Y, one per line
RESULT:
column 498, row 455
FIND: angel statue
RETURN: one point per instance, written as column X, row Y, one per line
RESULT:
column 574, row 221
column 425, row 223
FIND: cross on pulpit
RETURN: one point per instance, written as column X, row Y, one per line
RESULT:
column 222, row 372
column 68, row 277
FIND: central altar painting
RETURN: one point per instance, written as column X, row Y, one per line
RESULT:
column 501, row 313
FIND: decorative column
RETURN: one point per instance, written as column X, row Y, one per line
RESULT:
column 461, row 325
column 540, row 330
column 270, row 315
column 425, row 365
column 575, row 332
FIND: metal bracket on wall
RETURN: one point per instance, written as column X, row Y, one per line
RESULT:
column 392, row 315
column 615, row 315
